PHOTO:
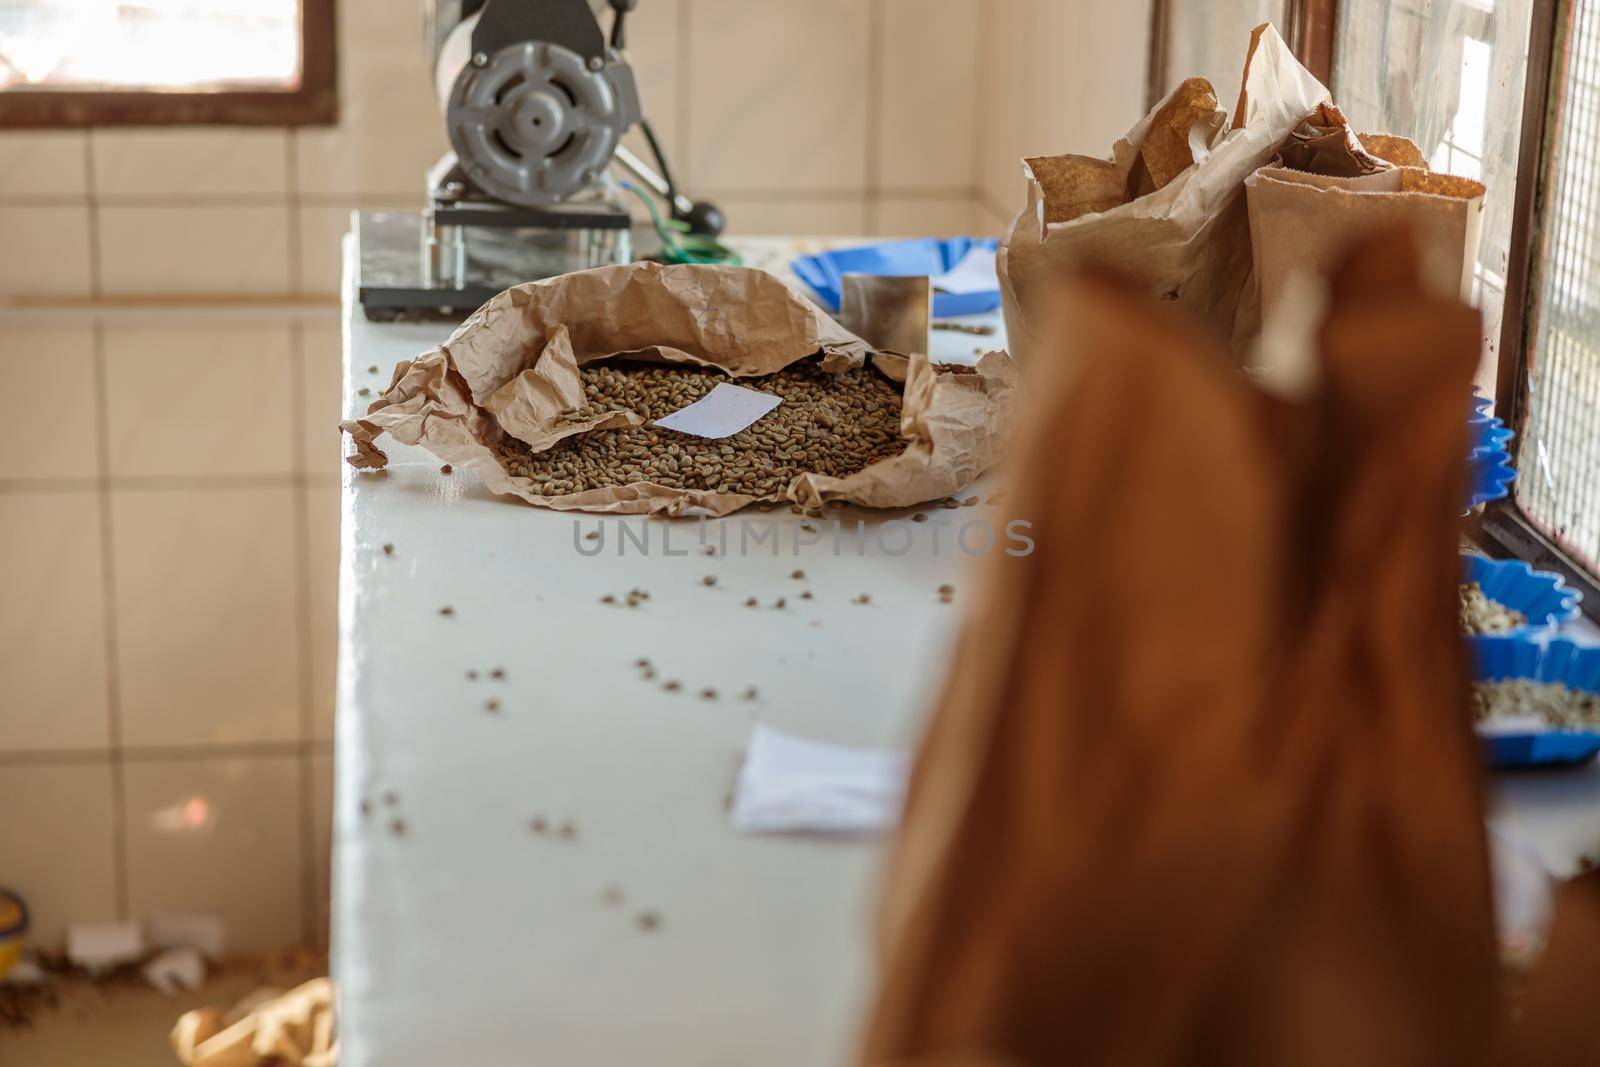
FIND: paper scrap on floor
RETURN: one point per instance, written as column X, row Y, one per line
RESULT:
column 723, row 412
column 791, row 783
column 973, row 273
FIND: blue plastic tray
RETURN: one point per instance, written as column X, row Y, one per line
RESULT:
column 1492, row 475
column 1575, row 666
column 924, row 255
column 1542, row 596
column 1489, row 432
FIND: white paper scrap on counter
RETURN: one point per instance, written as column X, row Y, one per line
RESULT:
column 793, row 783
column 723, row 412
column 99, row 947
column 973, row 273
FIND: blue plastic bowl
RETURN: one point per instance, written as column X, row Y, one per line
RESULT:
column 1573, row 665
column 1542, row 596
column 1492, row 475
column 824, row 272
column 1486, row 431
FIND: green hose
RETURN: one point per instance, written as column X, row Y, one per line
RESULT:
column 678, row 245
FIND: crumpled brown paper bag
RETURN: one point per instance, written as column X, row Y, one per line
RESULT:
column 512, row 368
column 1307, row 211
column 1202, row 788
column 294, row 1029
column 1185, row 240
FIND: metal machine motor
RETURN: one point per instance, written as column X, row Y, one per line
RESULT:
column 535, row 101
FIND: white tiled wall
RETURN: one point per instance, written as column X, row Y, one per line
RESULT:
column 168, row 500
column 1057, row 77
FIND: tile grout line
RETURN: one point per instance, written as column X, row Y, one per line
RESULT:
column 682, row 165
column 302, row 550
column 983, row 43
column 91, row 198
column 108, row 579
column 172, row 482
column 291, row 191
column 164, row 753
column 872, row 170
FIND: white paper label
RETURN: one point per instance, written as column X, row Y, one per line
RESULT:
column 723, row 412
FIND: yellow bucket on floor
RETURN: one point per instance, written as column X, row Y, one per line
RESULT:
column 13, row 924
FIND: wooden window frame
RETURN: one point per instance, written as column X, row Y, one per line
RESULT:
column 1309, row 29
column 1505, row 526
column 314, row 103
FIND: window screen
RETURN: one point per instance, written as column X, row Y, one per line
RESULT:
column 149, row 44
column 1449, row 75
column 1559, row 457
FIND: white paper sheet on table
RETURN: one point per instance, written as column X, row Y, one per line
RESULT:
column 793, row 783
column 723, row 412
column 973, row 273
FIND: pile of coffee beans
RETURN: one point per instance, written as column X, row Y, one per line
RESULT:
column 829, row 424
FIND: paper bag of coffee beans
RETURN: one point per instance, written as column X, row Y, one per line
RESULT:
column 550, row 393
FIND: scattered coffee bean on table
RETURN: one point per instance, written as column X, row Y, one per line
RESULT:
column 1481, row 615
column 829, row 424
column 710, row 579
column 447, row 611
column 388, row 550
column 446, row 469
column 649, row 920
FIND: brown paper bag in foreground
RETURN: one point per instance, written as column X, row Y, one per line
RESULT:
column 512, row 369
column 1188, row 241
column 1202, row 788
column 1301, row 223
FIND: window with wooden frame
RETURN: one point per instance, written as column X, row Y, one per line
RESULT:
column 1507, row 92
column 70, row 63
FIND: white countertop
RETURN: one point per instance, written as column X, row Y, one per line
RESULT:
column 471, row 940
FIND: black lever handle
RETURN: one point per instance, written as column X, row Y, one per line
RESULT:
column 621, row 7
